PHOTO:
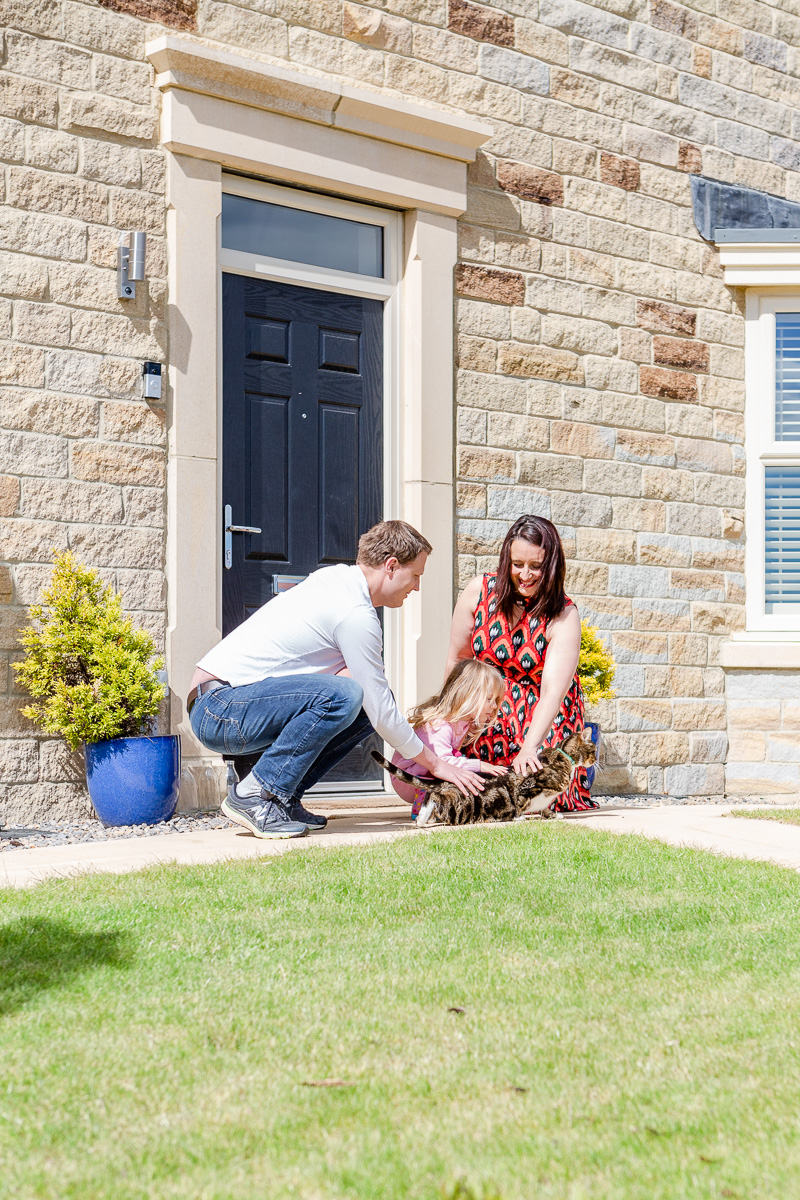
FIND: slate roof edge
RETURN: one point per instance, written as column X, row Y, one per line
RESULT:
column 736, row 211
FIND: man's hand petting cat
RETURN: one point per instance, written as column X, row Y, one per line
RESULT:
column 525, row 761
column 466, row 781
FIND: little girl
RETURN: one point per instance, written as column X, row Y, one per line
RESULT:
column 467, row 703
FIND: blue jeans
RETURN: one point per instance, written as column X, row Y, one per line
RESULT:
column 303, row 723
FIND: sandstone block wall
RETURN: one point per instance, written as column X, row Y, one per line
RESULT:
column 600, row 355
column 81, row 455
column 623, row 360
column 764, row 730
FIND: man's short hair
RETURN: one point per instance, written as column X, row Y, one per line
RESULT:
column 391, row 539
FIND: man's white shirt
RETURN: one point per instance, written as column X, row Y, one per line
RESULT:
column 322, row 625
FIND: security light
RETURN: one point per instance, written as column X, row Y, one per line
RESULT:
column 130, row 264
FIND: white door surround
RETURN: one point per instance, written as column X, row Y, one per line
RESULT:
column 224, row 110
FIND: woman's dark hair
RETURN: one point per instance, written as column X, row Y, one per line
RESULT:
column 549, row 601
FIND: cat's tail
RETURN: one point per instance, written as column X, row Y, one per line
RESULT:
column 414, row 780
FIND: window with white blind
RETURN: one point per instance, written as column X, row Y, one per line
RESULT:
column 782, row 539
column 773, row 462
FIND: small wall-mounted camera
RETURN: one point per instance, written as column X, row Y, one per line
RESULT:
column 151, row 380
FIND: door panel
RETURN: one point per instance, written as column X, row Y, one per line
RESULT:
column 338, row 457
column 268, row 339
column 339, row 350
column 267, row 424
column 302, row 439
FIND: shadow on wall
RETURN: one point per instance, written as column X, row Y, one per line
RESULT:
column 36, row 955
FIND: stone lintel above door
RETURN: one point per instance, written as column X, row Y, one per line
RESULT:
column 390, row 149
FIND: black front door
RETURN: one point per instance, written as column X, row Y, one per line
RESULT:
column 302, row 440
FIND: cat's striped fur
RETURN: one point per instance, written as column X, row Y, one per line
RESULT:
column 504, row 797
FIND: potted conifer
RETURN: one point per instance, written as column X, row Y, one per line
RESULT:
column 94, row 680
column 596, row 668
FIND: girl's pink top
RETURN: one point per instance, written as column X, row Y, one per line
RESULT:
column 445, row 741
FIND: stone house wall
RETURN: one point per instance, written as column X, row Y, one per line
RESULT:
column 600, row 355
column 81, row 456
column 764, row 727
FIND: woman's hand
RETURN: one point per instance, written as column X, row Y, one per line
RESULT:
column 526, row 760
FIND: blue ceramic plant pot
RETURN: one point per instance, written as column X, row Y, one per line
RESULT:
column 135, row 780
column 594, row 731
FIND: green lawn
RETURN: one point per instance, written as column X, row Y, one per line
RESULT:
column 789, row 816
column 631, row 1029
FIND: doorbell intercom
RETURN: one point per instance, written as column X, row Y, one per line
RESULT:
column 151, row 381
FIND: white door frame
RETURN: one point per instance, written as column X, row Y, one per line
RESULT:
column 386, row 290
column 221, row 110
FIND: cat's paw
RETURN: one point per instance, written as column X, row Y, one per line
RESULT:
column 542, row 802
column 424, row 814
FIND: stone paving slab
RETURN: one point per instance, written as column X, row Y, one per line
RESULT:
column 704, row 828
column 25, row 868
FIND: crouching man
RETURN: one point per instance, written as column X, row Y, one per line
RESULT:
column 303, row 681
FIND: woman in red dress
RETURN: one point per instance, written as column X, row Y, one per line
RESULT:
column 521, row 622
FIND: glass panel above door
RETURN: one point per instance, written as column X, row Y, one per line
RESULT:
column 296, row 235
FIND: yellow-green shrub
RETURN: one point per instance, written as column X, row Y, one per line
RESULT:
column 92, row 673
column 596, row 666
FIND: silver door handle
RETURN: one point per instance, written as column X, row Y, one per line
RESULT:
column 230, row 529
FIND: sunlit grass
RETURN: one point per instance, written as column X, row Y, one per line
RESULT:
column 630, row 1028
column 789, row 816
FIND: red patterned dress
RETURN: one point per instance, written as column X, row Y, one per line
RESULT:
column 519, row 653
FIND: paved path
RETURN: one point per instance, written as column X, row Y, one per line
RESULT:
column 23, row 868
column 706, row 827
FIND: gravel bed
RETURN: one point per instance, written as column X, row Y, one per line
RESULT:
column 688, row 801
column 68, row 833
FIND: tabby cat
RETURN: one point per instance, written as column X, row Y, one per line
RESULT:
column 504, row 797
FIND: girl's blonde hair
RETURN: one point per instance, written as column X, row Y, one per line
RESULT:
column 467, row 690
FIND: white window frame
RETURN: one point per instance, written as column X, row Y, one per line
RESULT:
column 323, row 278
column 763, row 450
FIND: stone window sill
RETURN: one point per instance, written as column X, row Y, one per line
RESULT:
column 761, row 655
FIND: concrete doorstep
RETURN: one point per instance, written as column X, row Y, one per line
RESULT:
column 361, row 823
